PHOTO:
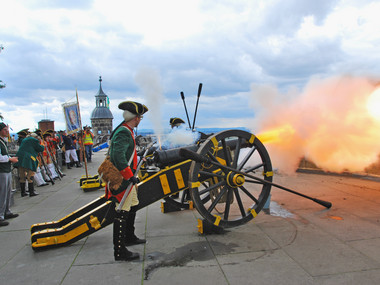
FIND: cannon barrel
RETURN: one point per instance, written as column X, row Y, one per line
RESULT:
column 171, row 156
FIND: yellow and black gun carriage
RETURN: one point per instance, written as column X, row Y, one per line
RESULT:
column 227, row 178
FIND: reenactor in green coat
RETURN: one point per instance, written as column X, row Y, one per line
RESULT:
column 123, row 156
column 27, row 162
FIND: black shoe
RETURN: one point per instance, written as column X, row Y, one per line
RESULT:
column 10, row 216
column 128, row 256
column 23, row 191
column 135, row 241
column 31, row 190
column 3, row 223
column 43, row 184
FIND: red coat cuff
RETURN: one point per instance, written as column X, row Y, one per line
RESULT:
column 126, row 173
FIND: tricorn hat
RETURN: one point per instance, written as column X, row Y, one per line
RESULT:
column 47, row 133
column 132, row 109
column 176, row 121
column 23, row 132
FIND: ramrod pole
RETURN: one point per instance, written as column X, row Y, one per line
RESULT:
column 184, row 104
column 196, row 107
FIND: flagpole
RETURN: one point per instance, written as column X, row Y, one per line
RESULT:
column 81, row 134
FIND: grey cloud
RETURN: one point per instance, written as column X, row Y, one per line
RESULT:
column 285, row 17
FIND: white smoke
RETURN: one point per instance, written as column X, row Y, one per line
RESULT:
column 180, row 137
column 149, row 81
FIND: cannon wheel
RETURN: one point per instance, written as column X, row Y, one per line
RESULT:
column 235, row 198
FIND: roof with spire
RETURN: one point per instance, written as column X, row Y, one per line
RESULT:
column 101, row 110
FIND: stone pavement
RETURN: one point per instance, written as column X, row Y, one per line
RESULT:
column 299, row 242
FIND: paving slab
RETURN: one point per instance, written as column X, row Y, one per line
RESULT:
column 319, row 253
column 263, row 267
column 106, row 273
column 369, row 247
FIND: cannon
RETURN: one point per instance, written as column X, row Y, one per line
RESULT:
column 227, row 178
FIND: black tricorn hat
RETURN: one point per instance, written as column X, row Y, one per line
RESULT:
column 133, row 107
column 38, row 132
column 47, row 133
column 23, row 132
column 176, row 121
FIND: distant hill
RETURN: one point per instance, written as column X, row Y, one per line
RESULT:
column 145, row 132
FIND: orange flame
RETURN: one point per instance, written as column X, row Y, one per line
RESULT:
column 276, row 135
column 159, row 142
column 329, row 123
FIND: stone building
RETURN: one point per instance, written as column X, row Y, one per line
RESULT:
column 101, row 117
column 45, row 125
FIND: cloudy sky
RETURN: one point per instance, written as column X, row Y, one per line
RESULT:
column 150, row 51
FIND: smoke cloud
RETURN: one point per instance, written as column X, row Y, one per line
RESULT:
column 180, row 137
column 328, row 123
column 149, row 81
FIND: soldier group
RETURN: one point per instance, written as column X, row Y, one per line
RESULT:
column 37, row 161
column 56, row 149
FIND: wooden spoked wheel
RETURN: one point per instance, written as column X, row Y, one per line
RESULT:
column 234, row 198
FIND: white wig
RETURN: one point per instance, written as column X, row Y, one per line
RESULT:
column 127, row 115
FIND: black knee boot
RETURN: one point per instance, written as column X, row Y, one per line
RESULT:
column 22, row 186
column 130, row 237
column 120, row 251
column 31, row 190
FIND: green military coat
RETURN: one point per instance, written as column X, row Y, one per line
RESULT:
column 121, row 148
column 28, row 152
column 120, row 151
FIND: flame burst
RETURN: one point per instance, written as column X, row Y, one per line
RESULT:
column 334, row 123
column 373, row 104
